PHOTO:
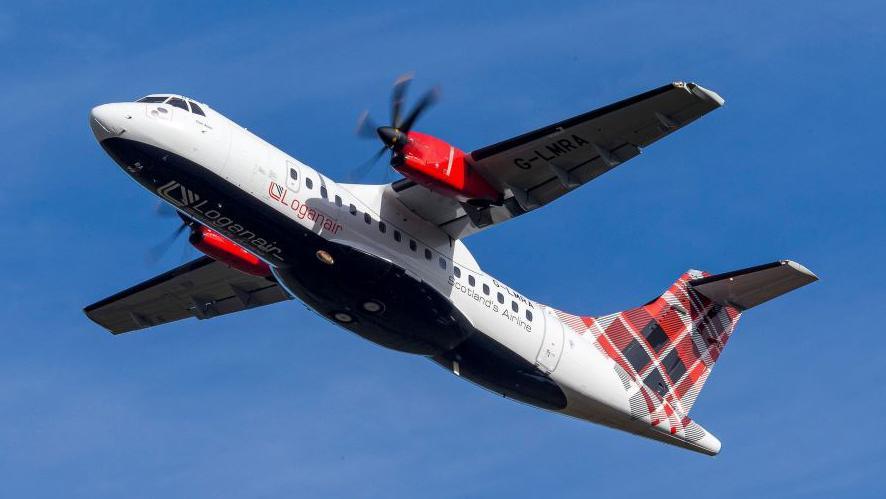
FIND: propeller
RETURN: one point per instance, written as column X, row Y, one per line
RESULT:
column 395, row 135
column 364, row 168
column 164, row 210
column 157, row 251
column 398, row 96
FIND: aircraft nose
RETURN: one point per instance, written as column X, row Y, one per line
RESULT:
column 107, row 121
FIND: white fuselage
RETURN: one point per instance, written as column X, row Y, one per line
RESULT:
column 529, row 329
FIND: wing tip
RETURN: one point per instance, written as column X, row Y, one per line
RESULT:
column 701, row 92
column 801, row 269
column 89, row 312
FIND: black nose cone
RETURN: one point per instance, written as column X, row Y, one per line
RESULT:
column 392, row 137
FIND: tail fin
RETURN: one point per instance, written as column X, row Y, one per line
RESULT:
column 669, row 345
column 717, row 303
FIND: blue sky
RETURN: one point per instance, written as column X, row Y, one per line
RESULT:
column 276, row 402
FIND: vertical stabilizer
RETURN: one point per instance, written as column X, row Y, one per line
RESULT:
column 669, row 346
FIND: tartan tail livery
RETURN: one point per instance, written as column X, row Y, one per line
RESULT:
column 664, row 350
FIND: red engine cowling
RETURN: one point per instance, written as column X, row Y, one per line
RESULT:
column 441, row 167
column 226, row 251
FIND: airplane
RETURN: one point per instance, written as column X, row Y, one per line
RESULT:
column 389, row 263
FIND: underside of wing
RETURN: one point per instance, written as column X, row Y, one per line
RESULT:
column 538, row 167
column 203, row 288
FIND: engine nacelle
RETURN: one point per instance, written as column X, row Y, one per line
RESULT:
column 435, row 164
column 226, row 251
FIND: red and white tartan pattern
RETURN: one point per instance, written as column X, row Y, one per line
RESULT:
column 696, row 328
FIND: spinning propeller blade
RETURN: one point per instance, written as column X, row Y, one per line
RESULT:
column 361, row 171
column 156, row 253
column 428, row 99
column 164, row 210
column 393, row 136
column 366, row 126
column 398, row 96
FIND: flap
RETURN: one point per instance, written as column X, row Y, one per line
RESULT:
column 203, row 288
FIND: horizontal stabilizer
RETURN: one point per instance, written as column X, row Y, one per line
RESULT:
column 750, row 287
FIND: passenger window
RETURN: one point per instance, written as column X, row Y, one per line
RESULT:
column 442, row 263
column 485, row 289
column 471, row 280
column 514, row 306
column 353, row 210
column 309, row 183
column 323, row 192
column 175, row 101
column 412, row 245
column 196, row 109
column 367, row 218
column 338, row 201
column 382, row 227
column 427, row 254
column 528, row 315
column 501, row 298
column 456, row 271
column 397, row 235
column 293, row 174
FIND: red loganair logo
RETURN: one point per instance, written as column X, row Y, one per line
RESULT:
column 184, row 198
column 303, row 211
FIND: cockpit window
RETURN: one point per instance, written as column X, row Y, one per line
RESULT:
column 153, row 99
column 196, row 109
column 175, row 101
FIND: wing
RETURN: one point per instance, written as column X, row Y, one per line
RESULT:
column 540, row 166
column 203, row 288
